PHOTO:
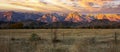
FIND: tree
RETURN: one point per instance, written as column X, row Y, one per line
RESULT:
column 16, row 26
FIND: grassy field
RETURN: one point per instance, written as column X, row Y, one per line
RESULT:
column 67, row 40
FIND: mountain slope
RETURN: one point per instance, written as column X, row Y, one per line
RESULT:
column 56, row 17
column 73, row 17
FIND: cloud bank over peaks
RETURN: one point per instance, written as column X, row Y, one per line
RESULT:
column 83, row 6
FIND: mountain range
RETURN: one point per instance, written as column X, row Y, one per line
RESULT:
column 54, row 17
column 72, row 19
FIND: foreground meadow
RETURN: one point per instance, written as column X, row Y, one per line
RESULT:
column 60, row 40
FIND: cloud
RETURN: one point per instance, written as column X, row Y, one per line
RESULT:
column 61, row 5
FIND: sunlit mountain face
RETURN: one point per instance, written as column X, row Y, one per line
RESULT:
column 82, row 6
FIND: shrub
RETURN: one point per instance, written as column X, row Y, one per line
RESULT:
column 34, row 37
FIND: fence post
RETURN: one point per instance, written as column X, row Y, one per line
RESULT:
column 116, row 42
column 115, row 38
column 63, row 35
column 54, row 39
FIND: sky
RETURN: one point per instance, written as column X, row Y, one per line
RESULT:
column 82, row 6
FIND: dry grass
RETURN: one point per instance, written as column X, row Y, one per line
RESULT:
column 74, row 40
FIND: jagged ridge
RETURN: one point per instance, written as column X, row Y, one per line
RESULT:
column 54, row 17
